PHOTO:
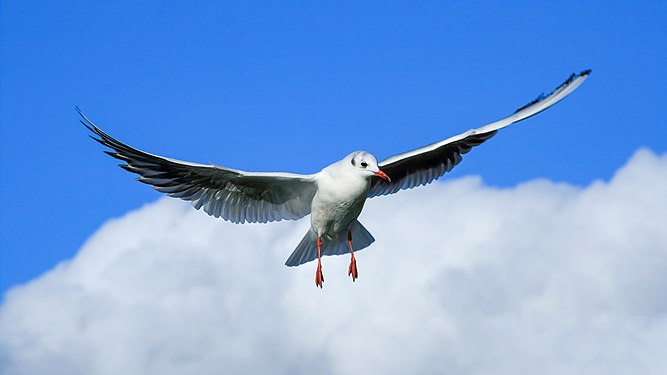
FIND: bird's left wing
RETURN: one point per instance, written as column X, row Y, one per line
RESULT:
column 423, row 165
column 234, row 195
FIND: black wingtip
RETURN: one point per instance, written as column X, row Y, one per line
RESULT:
column 572, row 77
column 569, row 80
column 86, row 121
column 101, row 141
column 87, row 126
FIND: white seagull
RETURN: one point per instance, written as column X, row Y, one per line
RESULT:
column 334, row 197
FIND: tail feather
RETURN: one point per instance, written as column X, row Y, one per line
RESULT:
column 306, row 251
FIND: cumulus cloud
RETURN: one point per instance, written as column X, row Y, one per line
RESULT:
column 463, row 279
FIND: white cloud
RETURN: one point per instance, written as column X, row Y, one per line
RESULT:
column 463, row 279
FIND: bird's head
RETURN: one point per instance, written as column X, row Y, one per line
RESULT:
column 365, row 163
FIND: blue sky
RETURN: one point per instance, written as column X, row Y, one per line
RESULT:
column 296, row 87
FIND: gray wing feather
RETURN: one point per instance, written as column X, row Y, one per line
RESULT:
column 424, row 165
column 233, row 195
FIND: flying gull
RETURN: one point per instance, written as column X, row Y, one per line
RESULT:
column 334, row 197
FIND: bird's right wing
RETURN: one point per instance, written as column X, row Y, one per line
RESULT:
column 233, row 195
column 423, row 165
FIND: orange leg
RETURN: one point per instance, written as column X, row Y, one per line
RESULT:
column 352, row 270
column 319, row 277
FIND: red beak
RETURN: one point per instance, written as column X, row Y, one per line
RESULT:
column 383, row 175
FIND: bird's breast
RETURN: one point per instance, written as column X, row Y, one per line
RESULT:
column 337, row 203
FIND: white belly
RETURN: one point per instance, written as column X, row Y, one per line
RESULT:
column 334, row 208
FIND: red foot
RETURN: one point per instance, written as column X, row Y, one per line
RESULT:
column 352, row 270
column 319, row 277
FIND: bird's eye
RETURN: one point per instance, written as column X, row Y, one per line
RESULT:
column 364, row 164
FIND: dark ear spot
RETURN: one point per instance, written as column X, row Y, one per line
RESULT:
column 354, row 163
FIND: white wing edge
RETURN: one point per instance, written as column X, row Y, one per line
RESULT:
column 538, row 105
column 99, row 132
